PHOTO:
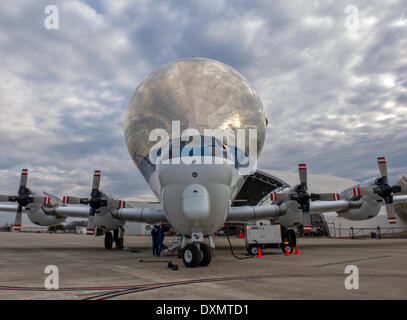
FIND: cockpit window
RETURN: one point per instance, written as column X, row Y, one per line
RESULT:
column 209, row 147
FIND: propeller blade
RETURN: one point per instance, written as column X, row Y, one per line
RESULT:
column 302, row 171
column 96, row 180
column 360, row 191
column 71, row 200
column 4, row 198
column 279, row 196
column 306, row 221
column 90, row 230
column 381, row 161
column 391, row 213
column 41, row 200
column 23, row 179
column 18, row 219
column 118, row 204
column 325, row 196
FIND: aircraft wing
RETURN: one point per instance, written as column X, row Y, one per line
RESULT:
column 245, row 213
column 147, row 215
column 8, row 207
column 5, row 207
column 328, row 206
column 68, row 211
column 400, row 199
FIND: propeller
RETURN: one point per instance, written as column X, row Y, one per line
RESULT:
column 303, row 198
column 23, row 199
column 385, row 191
column 95, row 202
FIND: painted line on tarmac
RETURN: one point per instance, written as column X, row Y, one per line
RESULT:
column 351, row 261
column 114, row 294
column 122, row 290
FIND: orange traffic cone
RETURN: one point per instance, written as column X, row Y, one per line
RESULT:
column 296, row 250
column 286, row 251
column 259, row 252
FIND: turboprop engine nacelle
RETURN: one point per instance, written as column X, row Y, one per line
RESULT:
column 38, row 216
column 371, row 203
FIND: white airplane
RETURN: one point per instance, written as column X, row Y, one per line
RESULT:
column 198, row 197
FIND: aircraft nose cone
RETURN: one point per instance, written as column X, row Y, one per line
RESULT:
column 195, row 202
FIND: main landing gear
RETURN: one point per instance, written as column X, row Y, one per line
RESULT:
column 117, row 237
column 197, row 253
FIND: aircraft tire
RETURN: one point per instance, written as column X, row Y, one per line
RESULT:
column 108, row 240
column 191, row 256
column 206, row 255
column 292, row 238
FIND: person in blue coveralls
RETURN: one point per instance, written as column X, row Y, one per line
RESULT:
column 154, row 235
column 160, row 238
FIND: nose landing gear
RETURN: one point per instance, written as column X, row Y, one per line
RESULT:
column 206, row 255
column 191, row 255
column 197, row 254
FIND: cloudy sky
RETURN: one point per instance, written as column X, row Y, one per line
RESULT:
column 334, row 85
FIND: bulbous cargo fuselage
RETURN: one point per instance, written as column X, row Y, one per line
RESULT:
column 199, row 94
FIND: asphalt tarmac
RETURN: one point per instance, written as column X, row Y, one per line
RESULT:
column 87, row 271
